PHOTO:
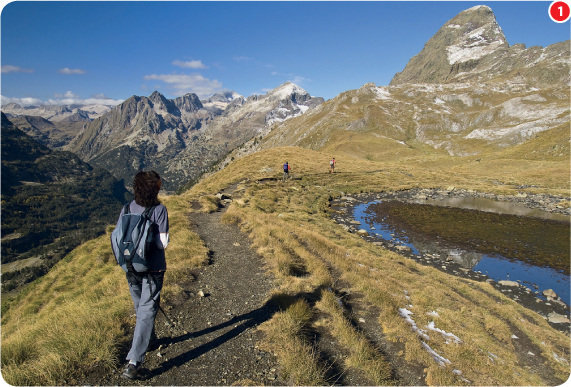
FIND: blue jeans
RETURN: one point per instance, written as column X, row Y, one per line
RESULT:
column 145, row 291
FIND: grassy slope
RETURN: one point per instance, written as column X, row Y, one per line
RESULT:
column 76, row 317
column 304, row 239
column 86, row 297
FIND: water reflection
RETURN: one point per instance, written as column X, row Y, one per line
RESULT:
column 489, row 205
column 496, row 266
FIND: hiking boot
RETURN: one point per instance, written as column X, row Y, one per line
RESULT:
column 131, row 372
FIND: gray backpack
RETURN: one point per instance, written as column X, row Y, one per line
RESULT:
column 131, row 240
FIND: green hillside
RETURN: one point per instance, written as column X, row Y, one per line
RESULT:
column 51, row 203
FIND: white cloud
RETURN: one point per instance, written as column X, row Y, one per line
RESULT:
column 27, row 101
column 15, row 69
column 193, row 64
column 69, row 98
column 297, row 79
column 75, row 100
column 183, row 84
column 71, row 71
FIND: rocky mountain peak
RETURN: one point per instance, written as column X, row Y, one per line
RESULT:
column 225, row 96
column 161, row 104
column 286, row 91
column 473, row 34
column 471, row 47
column 189, row 103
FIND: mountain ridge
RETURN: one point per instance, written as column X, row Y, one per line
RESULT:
column 181, row 138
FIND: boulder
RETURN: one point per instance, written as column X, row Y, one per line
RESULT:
column 550, row 293
column 508, row 283
column 557, row 318
column 362, row 232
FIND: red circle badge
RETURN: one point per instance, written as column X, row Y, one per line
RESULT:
column 559, row 11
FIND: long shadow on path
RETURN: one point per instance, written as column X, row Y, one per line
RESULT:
column 248, row 320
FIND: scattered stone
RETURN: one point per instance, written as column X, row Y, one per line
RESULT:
column 550, row 293
column 403, row 248
column 201, row 293
column 236, row 244
column 362, row 232
column 509, row 283
column 556, row 318
column 356, row 222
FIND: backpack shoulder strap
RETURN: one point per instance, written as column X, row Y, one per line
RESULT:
column 126, row 208
column 149, row 211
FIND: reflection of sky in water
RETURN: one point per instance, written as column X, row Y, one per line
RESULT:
column 545, row 278
column 496, row 267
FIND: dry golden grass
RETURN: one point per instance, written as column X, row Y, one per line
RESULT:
column 209, row 203
column 76, row 316
column 86, row 294
column 285, row 335
column 306, row 251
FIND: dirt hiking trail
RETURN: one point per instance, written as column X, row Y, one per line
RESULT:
column 212, row 337
column 209, row 335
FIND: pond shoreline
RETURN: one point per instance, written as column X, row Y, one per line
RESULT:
column 553, row 310
column 543, row 202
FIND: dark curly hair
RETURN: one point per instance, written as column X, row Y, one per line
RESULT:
column 147, row 186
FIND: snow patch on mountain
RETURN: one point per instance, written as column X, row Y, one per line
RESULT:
column 286, row 90
column 382, row 93
column 476, row 44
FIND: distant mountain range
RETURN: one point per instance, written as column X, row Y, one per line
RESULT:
column 57, row 113
column 181, row 138
column 468, row 90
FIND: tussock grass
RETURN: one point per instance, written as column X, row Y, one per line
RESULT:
column 285, row 335
column 209, row 203
column 77, row 316
column 306, row 251
column 363, row 355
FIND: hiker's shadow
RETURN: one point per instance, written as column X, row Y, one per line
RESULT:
column 247, row 321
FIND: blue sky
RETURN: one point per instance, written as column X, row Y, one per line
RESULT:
column 61, row 52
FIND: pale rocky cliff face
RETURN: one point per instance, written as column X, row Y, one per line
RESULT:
column 471, row 47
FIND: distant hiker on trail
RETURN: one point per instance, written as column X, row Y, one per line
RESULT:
column 286, row 171
column 145, row 286
column 332, row 165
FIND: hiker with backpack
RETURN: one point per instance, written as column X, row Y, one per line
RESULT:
column 332, row 165
column 139, row 241
column 286, row 171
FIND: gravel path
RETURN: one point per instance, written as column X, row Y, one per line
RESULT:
column 212, row 337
